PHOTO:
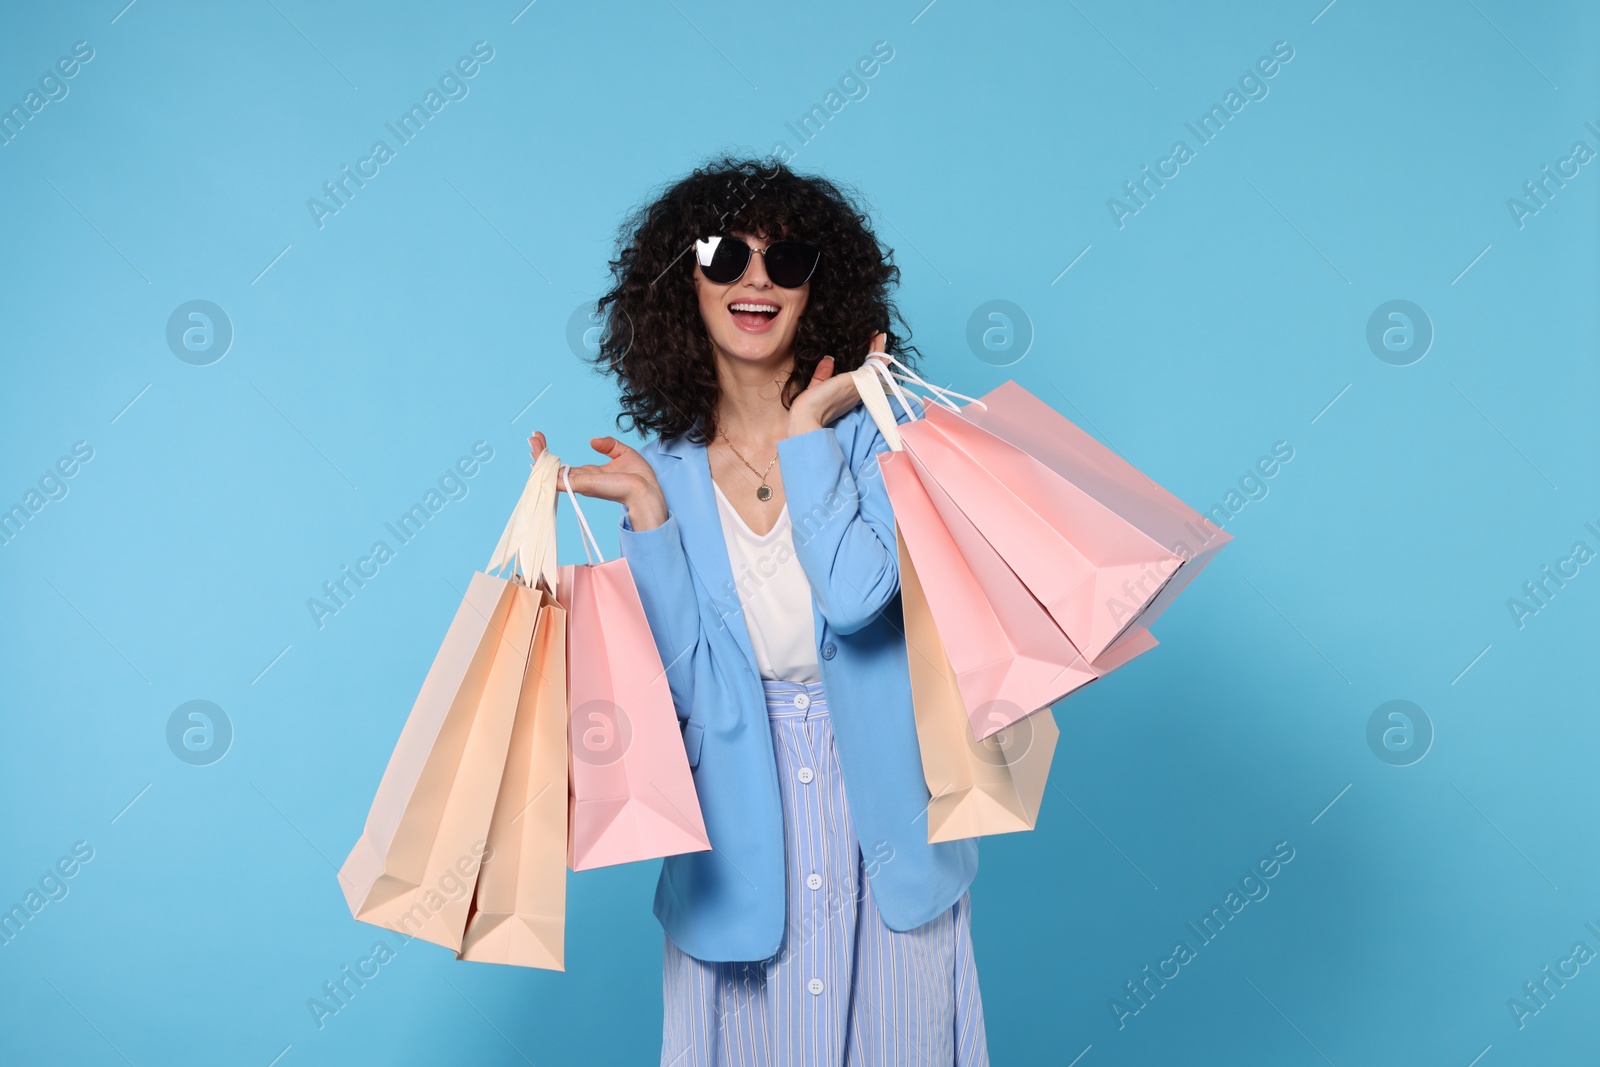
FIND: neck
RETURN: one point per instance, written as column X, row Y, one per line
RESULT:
column 750, row 407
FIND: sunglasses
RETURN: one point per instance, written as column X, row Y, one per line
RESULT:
column 724, row 260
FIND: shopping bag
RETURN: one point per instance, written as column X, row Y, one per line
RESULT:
column 993, row 786
column 1015, row 415
column 416, row 863
column 518, row 911
column 632, row 794
column 1094, row 571
column 519, row 908
column 1008, row 655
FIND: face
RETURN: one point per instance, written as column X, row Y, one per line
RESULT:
column 751, row 319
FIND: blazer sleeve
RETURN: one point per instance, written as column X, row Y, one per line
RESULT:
column 660, row 570
column 843, row 526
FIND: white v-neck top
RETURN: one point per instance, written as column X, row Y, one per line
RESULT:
column 775, row 594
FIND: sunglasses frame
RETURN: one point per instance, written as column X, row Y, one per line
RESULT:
column 705, row 250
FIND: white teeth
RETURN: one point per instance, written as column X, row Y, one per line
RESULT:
column 752, row 307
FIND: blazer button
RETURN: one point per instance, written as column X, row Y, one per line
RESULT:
column 828, row 650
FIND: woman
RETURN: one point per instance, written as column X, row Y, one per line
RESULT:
column 821, row 927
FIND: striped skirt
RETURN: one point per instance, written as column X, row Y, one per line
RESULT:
column 844, row 989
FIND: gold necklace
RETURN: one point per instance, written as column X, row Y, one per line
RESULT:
column 764, row 491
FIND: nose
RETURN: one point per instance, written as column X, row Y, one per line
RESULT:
column 755, row 274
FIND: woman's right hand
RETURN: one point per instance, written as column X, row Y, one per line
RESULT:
column 627, row 479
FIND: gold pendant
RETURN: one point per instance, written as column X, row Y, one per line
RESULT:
column 764, row 493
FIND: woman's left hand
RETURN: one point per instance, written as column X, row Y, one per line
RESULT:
column 828, row 396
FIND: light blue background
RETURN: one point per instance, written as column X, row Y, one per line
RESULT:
column 1227, row 315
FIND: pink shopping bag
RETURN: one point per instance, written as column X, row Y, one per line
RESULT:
column 1008, row 655
column 1015, row 415
column 1093, row 571
column 632, row 794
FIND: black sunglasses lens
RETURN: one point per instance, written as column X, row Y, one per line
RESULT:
column 790, row 263
column 728, row 261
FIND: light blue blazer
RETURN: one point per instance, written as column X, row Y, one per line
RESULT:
column 728, row 904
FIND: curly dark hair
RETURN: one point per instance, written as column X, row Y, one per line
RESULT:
column 652, row 336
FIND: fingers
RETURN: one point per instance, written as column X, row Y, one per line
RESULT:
column 578, row 477
column 613, row 449
column 878, row 347
column 610, row 446
column 569, row 476
column 824, row 370
column 597, row 482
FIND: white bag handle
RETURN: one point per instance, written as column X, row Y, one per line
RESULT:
column 882, row 370
column 591, row 547
column 528, row 543
column 877, row 403
column 940, row 394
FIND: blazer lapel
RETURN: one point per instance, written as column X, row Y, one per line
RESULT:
column 686, row 483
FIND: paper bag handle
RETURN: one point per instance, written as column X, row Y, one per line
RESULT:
column 877, row 403
column 939, row 393
column 591, row 547
column 528, row 543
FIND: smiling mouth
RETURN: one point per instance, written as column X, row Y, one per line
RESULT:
column 753, row 316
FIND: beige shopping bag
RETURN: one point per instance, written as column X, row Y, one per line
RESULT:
column 519, row 912
column 993, row 786
column 417, row 861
